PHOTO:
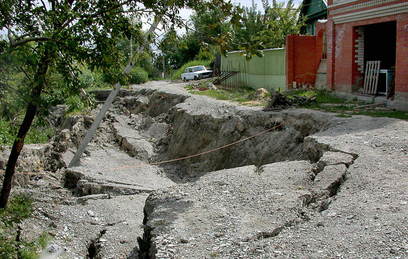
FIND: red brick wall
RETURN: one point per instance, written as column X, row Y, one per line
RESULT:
column 401, row 62
column 301, row 64
column 342, row 73
column 358, row 64
column 289, row 61
column 344, row 56
column 320, row 29
column 331, row 62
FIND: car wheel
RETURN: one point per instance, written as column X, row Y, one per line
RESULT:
column 184, row 79
column 195, row 77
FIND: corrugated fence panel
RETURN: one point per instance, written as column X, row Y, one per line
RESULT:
column 267, row 72
column 275, row 62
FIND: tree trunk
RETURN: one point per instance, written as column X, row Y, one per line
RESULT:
column 39, row 81
column 15, row 153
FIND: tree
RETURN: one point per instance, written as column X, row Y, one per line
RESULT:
column 280, row 21
column 268, row 29
column 207, row 29
column 245, row 36
column 52, row 36
column 170, row 46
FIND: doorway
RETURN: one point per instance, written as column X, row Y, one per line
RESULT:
column 380, row 45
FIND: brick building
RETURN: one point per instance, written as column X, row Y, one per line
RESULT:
column 306, row 55
column 355, row 32
column 359, row 31
column 313, row 10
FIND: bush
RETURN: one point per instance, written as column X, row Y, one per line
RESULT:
column 178, row 73
column 204, row 55
column 79, row 103
column 138, row 76
column 36, row 135
column 7, row 132
column 19, row 208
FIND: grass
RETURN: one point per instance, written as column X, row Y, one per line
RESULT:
column 36, row 135
column 19, row 208
column 324, row 102
column 241, row 95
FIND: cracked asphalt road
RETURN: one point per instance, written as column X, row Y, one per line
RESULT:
column 350, row 202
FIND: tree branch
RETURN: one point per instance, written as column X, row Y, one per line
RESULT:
column 25, row 73
column 108, row 10
column 21, row 42
column 9, row 34
column 25, row 35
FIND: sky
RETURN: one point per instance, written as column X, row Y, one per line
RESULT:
column 259, row 2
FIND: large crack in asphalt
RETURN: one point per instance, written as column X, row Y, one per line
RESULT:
column 151, row 126
column 229, row 203
column 320, row 184
column 153, row 130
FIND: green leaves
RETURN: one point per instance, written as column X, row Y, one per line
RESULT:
column 266, row 30
column 18, row 209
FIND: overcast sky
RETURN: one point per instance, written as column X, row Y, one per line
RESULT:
column 186, row 13
column 259, row 2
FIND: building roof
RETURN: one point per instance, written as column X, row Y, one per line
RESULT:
column 314, row 9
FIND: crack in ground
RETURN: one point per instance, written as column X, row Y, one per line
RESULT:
column 322, row 201
column 95, row 246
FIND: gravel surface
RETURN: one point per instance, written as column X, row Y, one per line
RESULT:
column 318, row 187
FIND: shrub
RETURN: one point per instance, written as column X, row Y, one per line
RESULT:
column 138, row 76
column 19, row 208
column 204, row 55
column 37, row 134
column 7, row 132
column 79, row 103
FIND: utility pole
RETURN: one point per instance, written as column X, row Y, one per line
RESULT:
column 164, row 66
column 109, row 101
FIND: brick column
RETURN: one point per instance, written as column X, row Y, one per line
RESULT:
column 401, row 66
column 358, row 66
column 331, row 47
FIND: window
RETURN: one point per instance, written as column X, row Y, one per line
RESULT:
column 324, row 45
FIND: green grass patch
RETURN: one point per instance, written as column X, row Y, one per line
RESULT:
column 241, row 95
column 322, row 96
column 324, row 102
column 403, row 115
column 19, row 208
column 346, row 108
column 38, row 134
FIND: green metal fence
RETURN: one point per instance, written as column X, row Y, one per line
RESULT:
column 267, row 72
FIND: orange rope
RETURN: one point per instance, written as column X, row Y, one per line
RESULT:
column 182, row 158
column 203, row 153
column 3, row 172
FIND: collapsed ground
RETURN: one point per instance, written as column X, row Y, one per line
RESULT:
column 314, row 186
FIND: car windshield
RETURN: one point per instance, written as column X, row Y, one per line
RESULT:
column 198, row 69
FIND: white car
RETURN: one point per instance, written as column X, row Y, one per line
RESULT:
column 196, row 72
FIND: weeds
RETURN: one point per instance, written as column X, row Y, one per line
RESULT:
column 36, row 135
column 324, row 102
column 11, row 246
column 241, row 95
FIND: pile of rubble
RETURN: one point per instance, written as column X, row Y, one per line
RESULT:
column 279, row 101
